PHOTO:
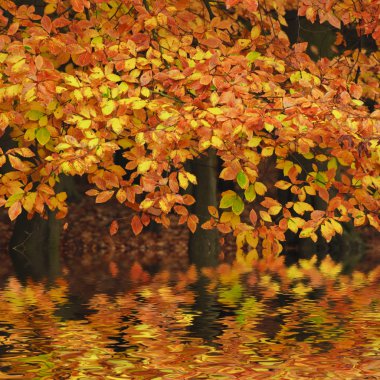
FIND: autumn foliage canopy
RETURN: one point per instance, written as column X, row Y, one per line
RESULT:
column 168, row 81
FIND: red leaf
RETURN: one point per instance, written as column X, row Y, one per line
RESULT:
column 114, row 227
column 136, row 224
column 15, row 210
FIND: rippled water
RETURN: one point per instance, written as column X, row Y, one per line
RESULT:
column 264, row 322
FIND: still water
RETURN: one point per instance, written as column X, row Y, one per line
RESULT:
column 265, row 321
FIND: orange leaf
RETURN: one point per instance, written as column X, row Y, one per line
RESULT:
column 114, row 227
column 104, row 196
column 15, row 210
column 213, row 211
column 46, row 23
column 78, row 5
column 136, row 224
column 192, row 222
column 253, row 216
column 92, row 192
column 13, row 28
column 333, row 20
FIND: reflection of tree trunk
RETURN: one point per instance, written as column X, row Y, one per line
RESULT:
column 206, row 324
column 204, row 244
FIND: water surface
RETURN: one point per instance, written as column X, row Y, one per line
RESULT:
column 266, row 321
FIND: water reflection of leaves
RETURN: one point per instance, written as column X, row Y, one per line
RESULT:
column 267, row 321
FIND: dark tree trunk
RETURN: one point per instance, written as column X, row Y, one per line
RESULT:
column 34, row 245
column 204, row 244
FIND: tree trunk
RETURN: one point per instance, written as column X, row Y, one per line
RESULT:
column 204, row 244
column 34, row 245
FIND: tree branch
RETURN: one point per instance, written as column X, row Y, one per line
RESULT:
column 209, row 10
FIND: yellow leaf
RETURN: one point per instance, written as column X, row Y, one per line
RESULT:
column 269, row 127
column 327, row 231
column 113, row 77
column 58, row 113
column 260, row 188
column 72, row 81
column 265, row 216
column 34, row 115
column 130, row 64
column 84, row 124
column 116, row 125
column 307, row 232
column 108, row 107
column 140, row 138
column 97, row 42
column 3, row 57
column 244, row 43
column 217, row 142
column 29, row 200
column 138, row 104
column 215, row 110
column 183, row 181
column 337, row 114
column 252, row 240
column 292, row 225
column 214, row 98
column 274, row 210
column 144, row 166
column 43, row 136
column 332, row 164
column 165, row 115
column 16, row 67
column 267, row 151
column 192, row 178
column 337, row 226
column 283, row 185
column 164, row 206
column 145, row 92
column 50, row 8
column 252, row 255
column 254, row 142
column 96, row 73
column 30, row 134
column 301, row 207
column 146, row 203
column 125, row 143
column 255, row 32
